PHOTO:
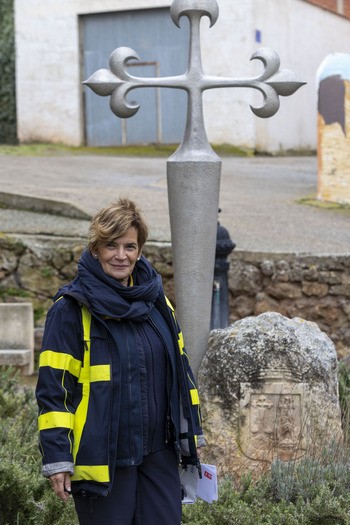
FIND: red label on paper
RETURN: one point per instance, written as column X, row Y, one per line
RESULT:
column 207, row 474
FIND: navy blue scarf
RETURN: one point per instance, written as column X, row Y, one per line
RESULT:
column 108, row 297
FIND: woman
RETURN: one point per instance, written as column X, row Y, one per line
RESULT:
column 118, row 405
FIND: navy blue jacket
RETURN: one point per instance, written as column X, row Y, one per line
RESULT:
column 83, row 418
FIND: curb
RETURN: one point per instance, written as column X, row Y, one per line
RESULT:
column 38, row 204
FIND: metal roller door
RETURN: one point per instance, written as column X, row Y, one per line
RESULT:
column 163, row 51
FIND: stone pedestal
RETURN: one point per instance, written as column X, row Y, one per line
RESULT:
column 17, row 336
column 268, row 389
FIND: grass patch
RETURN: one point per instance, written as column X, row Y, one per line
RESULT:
column 151, row 150
column 13, row 292
column 312, row 201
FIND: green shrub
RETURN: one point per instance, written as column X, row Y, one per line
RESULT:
column 344, row 396
column 8, row 130
column 313, row 491
column 25, row 496
column 262, row 508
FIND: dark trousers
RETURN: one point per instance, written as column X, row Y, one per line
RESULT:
column 149, row 494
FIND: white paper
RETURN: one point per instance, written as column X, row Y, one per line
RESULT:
column 207, row 488
column 189, row 481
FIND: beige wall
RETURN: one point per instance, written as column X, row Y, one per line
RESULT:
column 333, row 157
column 49, row 93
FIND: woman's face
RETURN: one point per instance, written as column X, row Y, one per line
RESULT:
column 119, row 256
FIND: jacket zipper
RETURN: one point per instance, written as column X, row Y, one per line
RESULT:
column 110, row 409
column 130, row 399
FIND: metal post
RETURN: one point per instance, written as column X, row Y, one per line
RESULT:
column 220, row 308
column 194, row 170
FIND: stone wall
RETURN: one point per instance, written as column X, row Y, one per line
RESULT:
column 315, row 288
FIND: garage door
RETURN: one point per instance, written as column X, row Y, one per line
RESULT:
column 163, row 51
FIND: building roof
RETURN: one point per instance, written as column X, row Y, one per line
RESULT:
column 340, row 7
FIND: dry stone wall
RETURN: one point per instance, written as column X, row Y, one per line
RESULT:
column 315, row 288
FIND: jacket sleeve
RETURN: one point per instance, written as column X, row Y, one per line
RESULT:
column 58, row 389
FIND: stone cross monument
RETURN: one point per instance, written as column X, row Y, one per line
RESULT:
column 194, row 170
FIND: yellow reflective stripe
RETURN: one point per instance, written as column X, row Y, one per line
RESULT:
column 91, row 472
column 195, row 439
column 180, row 336
column 86, row 319
column 100, row 373
column 97, row 373
column 197, row 397
column 60, row 361
column 56, row 419
column 81, row 412
column 181, row 342
column 169, row 303
column 194, row 397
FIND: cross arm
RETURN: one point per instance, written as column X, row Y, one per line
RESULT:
column 117, row 82
column 272, row 83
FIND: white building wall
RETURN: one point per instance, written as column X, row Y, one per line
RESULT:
column 49, row 91
column 227, row 47
column 48, row 73
column 303, row 35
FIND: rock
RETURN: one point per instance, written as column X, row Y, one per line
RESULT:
column 282, row 290
column 264, row 303
column 8, row 261
column 312, row 288
column 61, row 258
column 244, row 305
column 267, row 267
column 244, row 279
column 269, row 389
column 39, row 280
column 282, row 271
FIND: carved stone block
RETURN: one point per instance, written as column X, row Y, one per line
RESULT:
column 268, row 390
column 271, row 420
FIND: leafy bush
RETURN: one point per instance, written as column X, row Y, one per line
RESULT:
column 304, row 478
column 313, row 491
column 8, row 130
column 256, row 505
column 25, row 496
column 344, row 396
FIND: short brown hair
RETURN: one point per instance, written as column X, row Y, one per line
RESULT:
column 114, row 221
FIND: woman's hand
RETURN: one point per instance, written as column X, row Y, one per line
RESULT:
column 199, row 452
column 61, row 485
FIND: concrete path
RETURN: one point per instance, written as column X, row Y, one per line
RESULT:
column 258, row 199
